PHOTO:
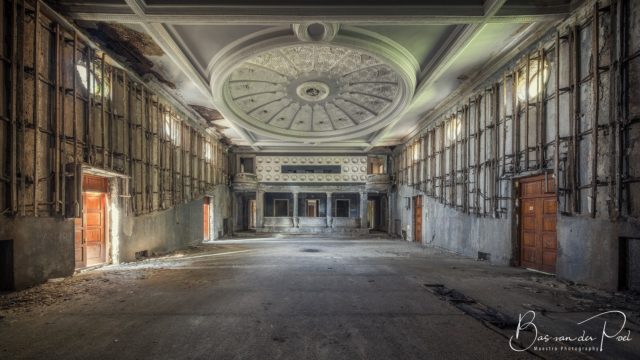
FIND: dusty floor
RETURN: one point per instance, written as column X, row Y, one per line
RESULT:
column 309, row 298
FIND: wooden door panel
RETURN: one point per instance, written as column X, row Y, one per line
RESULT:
column 550, row 206
column 530, row 255
column 529, row 223
column 529, row 239
column 532, row 188
column 94, row 251
column 549, row 241
column 94, row 219
column 529, row 206
column 549, row 224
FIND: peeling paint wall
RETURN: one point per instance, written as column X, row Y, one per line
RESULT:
column 66, row 109
column 569, row 107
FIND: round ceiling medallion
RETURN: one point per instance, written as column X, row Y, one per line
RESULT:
column 312, row 90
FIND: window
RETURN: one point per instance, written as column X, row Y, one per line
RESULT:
column 280, row 207
column 538, row 76
column 246, row 165
column 95, row 87
column 376, row 165
column 342, row 208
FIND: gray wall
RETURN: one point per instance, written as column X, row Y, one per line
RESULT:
column 42, row 248
column 172, row 229
column 444, row 227
column 162, row 231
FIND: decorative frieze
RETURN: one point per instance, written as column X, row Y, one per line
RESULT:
column 353, row 169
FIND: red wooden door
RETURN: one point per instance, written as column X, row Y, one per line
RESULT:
column 91, row 228
column 417, row 237
column 94, row 224
column 538, row 207
column 205, row 220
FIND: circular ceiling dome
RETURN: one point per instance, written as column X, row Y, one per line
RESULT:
column 312, row 91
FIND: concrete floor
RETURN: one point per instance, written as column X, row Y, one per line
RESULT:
column 303, row 298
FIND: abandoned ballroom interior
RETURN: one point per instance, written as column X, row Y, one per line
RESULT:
column 506, row 130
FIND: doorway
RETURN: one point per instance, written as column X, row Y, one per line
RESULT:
column 92, row 228
column 252, row 213
column 6, row 265
column 311, row 208
column 417, row 219
column 206, row 221
column 371, row 214
column 342, row 207
column 538, row 207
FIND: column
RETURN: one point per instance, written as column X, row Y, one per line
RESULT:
column 363, row 210
column 259, row 209
column 234, row 212
column 389, row 213
column 329, row 210
column 295, row 209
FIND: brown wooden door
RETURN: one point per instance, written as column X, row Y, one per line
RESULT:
column 94, row 224
column 417, row 236
column 205, row 220
column 538, row 207
column 91, row 228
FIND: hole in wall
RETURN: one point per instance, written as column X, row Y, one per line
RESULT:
column 6, row 266
column 142, row 254
column 629, row 264
column 483, row 256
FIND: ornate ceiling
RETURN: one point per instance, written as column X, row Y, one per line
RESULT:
column 310, row 90
column 316, row 76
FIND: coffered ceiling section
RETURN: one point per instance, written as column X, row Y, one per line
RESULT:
column 318, row 75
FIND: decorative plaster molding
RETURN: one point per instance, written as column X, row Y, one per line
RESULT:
column 353, row 169
column 362, row 82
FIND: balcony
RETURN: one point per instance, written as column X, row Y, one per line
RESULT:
column 245, row 181
column 378, row 182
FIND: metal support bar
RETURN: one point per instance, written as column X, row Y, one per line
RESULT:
column 36, row 112
column 595, row 64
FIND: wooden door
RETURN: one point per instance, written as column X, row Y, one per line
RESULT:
column 538, row 208
column 91, row 229
column 205, row 219
column 252, row 214
column 94, row 227
column 417, row 236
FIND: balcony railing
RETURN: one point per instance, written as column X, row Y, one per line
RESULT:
column 245, row 178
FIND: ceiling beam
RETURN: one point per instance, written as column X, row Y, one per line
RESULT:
column 179, row 18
